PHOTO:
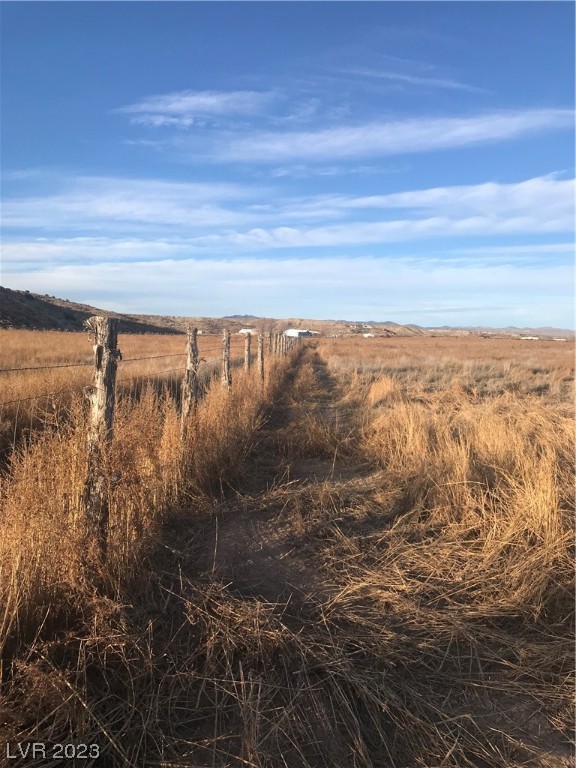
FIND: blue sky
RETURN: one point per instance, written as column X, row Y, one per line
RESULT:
column 411, row 161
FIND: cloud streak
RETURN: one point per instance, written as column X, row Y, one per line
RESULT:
column 544, row 198
column 414, row 80
column 112, row 202
column 383, row 138
column 381, row 232
column 186, row 108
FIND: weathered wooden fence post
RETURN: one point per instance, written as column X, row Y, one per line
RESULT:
column 247, row 345
column 270, row 348
column 261, row 358
column 226, row 379
column 190, row 382
column 102, row 400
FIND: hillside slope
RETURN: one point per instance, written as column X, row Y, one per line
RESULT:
column 22, row 309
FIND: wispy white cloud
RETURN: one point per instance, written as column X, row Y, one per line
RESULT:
column 186, row 108
column 301, row 112
column 41, row 252
column 527, row 249
column 303, row 170
column 391, row 137
column 368, row 233
column 546, row 198
column 169, row 121
column 107, row 202
column 23, row 174
column 414, row 80
column 238, row 217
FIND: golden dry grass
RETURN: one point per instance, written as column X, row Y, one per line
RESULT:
column 479, row 451
column 484, row 366
column 368, row 564
column 42, row 396
column 149, row 471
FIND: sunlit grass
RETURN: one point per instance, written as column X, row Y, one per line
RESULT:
column 423, row 612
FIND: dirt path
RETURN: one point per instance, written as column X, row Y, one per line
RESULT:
column 254, row 544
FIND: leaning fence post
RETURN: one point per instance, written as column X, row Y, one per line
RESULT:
column 261, row 357
column 190, row 383
column 226, row 379
column 247, row 344
column 102, row 400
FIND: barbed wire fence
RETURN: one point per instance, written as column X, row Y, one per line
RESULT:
column 197, row 374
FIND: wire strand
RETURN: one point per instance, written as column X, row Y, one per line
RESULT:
column 45, row 367
column 119, row 381
column 153, row 357
column 45, row 394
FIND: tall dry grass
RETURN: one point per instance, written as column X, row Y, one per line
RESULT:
column 149, row 473
column 478, row 452
column 31, row 400
column 483, row 367
column 493, row 477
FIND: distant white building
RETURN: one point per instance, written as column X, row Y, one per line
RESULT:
column 368, row 335
column 530, row 338
column 297, row 332
column 248, row 331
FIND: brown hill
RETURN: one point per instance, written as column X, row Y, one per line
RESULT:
column 22, row 309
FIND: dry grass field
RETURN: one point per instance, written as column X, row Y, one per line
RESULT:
column 368, row 563
column 41, row 397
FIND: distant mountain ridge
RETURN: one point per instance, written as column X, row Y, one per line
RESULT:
column 26, row 310
column 240, row 317
column 545, row 330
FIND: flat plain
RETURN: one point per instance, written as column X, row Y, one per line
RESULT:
column 366, row 562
